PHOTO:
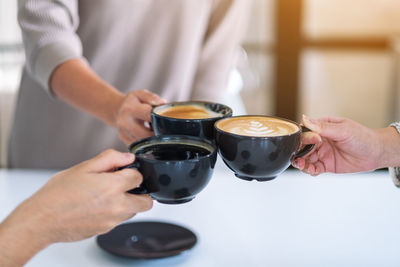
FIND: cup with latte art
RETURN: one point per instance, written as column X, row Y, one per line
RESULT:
column 258, row 147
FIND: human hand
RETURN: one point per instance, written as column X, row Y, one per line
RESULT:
column 341, row 146
column 133, row 112
column 87, row 199
column 77, row 84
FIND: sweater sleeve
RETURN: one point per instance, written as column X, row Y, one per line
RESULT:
column 221, row 43
column 395, row 171
column 49, row 35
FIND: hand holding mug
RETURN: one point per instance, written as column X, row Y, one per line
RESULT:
column 133, row 112
column 84, row 200
column 342, row 146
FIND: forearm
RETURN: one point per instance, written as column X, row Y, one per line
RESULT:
column 75, row 83
column 389, row 139
column 20, row 239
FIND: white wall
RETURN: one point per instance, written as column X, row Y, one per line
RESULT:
column 11, row 60
column 258, row 93
column 354, row 18
column 356, row 84
column 9, row 30
column 347, row 83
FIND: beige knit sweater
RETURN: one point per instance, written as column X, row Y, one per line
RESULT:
column 179, row 49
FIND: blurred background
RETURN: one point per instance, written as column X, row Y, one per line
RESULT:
column 314, row 57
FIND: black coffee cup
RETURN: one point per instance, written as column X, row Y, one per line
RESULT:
column 258, row 153
column 175, row 168
column 167, row 121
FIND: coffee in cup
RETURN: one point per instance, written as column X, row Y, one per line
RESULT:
column 258, row 147
column 193, row 118
column 170, row 151
column 174, row 168
column 190, row 111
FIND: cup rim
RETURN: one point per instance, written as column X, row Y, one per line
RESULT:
column 257, row 137
column 181, row 103
column 174, row 137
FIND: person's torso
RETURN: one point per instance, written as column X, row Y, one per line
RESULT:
column 132, row 44
column 152, row 44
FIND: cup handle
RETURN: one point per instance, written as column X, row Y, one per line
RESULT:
column 150, row 122
column 307, row 148
column 138, row 190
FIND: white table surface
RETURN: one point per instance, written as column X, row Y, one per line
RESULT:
column 294, row 220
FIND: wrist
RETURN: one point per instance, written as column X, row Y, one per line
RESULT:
column 111, row 106
column 389, row 144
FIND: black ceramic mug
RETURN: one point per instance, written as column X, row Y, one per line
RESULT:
column 193, row 118
column 259, row 147
column 175, row 168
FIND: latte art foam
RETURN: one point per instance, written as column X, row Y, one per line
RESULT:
column 257, row 126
